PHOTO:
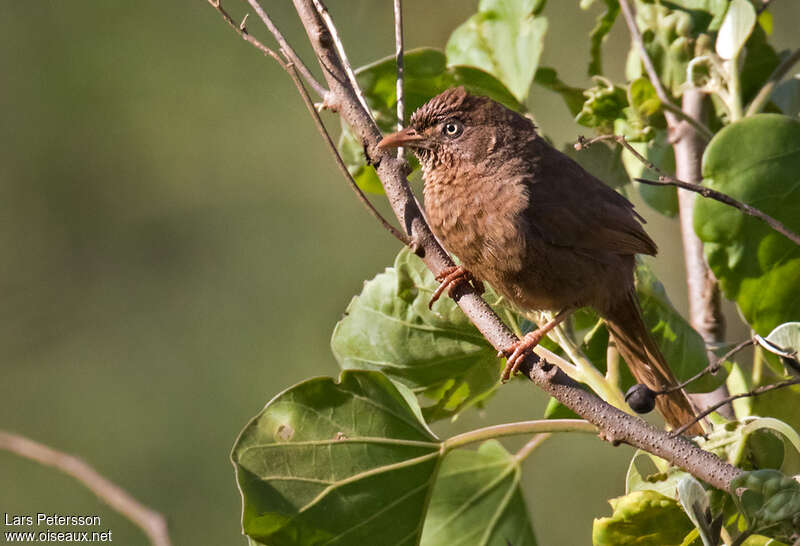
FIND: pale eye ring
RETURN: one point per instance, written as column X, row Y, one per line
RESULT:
column 452, row 128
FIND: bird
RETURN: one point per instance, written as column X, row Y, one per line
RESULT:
column 541, row 230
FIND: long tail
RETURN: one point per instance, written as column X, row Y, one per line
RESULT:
column 647, row 364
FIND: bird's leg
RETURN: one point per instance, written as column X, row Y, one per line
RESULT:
column 516, row 352
column 450, row 278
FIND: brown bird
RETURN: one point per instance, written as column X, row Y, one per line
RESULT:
column 533, row 223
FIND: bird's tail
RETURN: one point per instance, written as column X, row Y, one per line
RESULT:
column 647, row 364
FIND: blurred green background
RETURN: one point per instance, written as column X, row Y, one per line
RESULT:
column 177, row 247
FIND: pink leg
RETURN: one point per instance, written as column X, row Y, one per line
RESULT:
column 517, row 352
column 452, row 277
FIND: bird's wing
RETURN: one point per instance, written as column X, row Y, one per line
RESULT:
column 575, row 209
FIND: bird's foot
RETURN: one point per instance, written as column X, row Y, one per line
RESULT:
column 451, row 277
column 517, row 352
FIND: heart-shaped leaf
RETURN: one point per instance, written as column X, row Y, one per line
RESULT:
column 757, row 161
column 337, row 463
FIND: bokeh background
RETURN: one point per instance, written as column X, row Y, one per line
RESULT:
column 177, row 247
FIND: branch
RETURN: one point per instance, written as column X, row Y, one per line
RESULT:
column 777, row 75
column 615, row 425
column 151, row 522
column 665, row 179
column 672, row 112
column 288, row 51
column 398, row 38
column 290, row 69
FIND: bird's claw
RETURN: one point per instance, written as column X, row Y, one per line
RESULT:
column 450, row 278
column 517, row 352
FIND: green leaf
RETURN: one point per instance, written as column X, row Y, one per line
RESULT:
column 787, row 337
column 770, row 502
column 604, row 103
column 352, row 153
column 681, row 345
column 505, row 38
column 643, row 518
column 658, row 151
column 336, row 463
column 477, row 501
column 388, row 327
column 695, row 503
column 426, row 75
column 757, row 161
column 736, row 28
column 759, row 63
column 706, row 14
column 668, row 40
column 598, row 35
column 573, row 96
column 643, row 98
column 647, row 472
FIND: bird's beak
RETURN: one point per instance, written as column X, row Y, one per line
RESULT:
column 405, row 137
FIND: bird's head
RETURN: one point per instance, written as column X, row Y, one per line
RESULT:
column 455, row 127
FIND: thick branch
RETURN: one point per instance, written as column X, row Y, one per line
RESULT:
column 151, row 522
column 616, row 426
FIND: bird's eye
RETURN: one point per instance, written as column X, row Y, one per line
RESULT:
column 452, row 128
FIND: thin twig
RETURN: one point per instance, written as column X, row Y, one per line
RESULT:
column 774, row 79
column 290, row 69
column 731, row 398
column 151, row 522
column 712, row 367
column 671, row 113
column 764, row 5
column 398, row 39
column 337, row 42
column 665, row 179
column 288, row 51
column 241, row 30
column 339, row 161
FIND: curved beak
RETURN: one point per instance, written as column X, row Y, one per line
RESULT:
column 405, row 137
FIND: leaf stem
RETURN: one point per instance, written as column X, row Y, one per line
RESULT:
column 519, row 428
column 531, row 445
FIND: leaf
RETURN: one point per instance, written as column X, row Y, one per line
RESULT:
column 604, row 103
column 352, row 153
column 681, row 345
column 505, row 38
column 477, row 501
column 643, row 98
column 658, row 151
column 573, row 96
column 643, row 518
column 336, row 463
column 389, row 328
column 598, row 35
column 695, row 504
column 647, row 472
column 757, row 161
column 711, row 19
column 759, row 63
column 426, row 75
column 736, row 28
column 786, row 336
column 786, row 96
column 770, row 502
column 668, row 40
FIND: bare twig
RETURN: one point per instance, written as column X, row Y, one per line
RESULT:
column 672, row 113
column 290, row 68
column 665, row 179
column 615, row 426
column 340, row 162
column 731, row 398
column 337, row 42
column 774, row 79
column 288, row 51
column 151, row 522
column 712, row 367
column 241, row 30
column 398, row 39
